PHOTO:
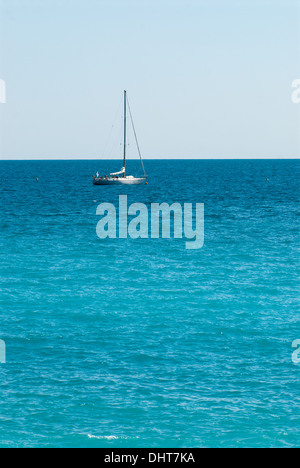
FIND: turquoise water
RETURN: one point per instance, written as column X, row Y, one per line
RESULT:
column 142, row 343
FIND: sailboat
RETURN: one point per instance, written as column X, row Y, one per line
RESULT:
column 121, row 178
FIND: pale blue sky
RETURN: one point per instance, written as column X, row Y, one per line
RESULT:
column 205, row 78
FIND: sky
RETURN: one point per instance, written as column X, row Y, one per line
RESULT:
column 205, row 78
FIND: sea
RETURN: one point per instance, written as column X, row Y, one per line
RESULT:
column 119, row 343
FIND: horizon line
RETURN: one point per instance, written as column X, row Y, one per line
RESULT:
column 155, row 159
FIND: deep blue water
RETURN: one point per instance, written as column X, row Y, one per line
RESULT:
column 142, row 343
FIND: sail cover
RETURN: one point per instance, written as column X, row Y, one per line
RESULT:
column 122, row 171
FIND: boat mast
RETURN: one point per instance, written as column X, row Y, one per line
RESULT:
column 125, row 111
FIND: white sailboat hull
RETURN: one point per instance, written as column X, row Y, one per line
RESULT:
column 119, row 181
